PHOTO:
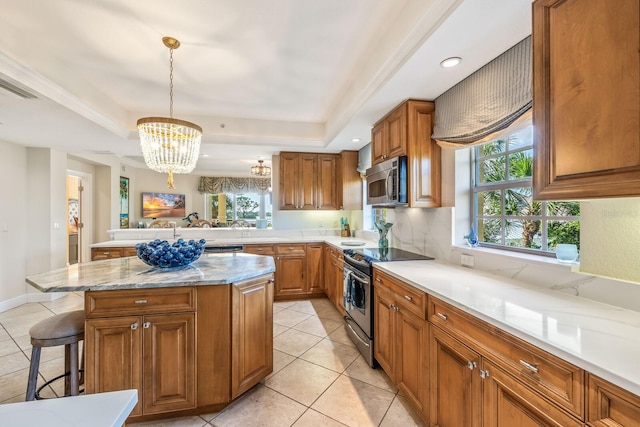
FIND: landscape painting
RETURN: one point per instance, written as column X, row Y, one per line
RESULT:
column 162, row 205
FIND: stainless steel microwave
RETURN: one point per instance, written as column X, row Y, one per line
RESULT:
column 387, row 183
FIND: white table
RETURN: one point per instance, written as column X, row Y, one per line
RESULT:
column 96, row 410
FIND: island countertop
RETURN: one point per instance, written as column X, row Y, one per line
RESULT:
column 132, row 273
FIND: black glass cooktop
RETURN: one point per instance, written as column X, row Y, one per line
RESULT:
column 384, row 254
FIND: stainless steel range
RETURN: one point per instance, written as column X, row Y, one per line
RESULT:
column 358, row 292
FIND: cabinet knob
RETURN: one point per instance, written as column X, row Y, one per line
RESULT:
column 146, row 325
column 442, row 316
column 134, row 326
column 484, row 374
column 472, row 365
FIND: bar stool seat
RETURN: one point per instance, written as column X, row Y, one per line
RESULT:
column 62, row 329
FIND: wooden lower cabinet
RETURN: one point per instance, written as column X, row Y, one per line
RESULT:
column 185, row 349
column 401, row 346
column 456, row 385
column 114, row 252
column 252, row 334
column 154, row 354
column 315, row 282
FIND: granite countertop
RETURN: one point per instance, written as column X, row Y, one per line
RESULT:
column 600, row 338
column 132, row 273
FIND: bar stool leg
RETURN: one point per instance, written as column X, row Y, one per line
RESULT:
column 33, row 373
column 73, row 368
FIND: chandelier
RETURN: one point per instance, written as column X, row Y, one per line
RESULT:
column 169, row 145
column 260, row 169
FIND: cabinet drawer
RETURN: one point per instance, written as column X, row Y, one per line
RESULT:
column 105, row 253
column 139, row 301
column 259, row 249
column 407, row 296
column 609, row 405
column 296, row 249
column 129, row 251
column 549, row 375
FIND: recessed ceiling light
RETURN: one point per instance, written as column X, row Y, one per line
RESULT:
column 355, row 139
column 451, row 62
column 205, row 155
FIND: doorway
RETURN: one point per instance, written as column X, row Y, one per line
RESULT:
column 78, row 216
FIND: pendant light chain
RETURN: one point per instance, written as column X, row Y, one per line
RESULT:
column 171, row 83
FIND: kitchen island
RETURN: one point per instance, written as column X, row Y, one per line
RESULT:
column 190, row 340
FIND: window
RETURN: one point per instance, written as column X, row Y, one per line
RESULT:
column 503, row 210
column 226, row 207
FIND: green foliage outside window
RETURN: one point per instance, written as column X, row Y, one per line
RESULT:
column 504, row 210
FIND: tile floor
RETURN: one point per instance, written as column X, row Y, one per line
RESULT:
column 318, row 379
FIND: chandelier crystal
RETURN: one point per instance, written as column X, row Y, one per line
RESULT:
column 260, row 169
column 169, row 145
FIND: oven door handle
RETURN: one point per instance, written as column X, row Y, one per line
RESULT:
column 355, row 276
column 354, row 332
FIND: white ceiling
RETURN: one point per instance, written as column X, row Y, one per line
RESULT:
column 258, row 76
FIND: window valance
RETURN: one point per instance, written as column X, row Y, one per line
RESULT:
column 216, row 185
column 488, row 100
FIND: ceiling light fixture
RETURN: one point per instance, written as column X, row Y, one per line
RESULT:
column 451, row 62
column 355, row 139
column 169, row 145
column 260, row 169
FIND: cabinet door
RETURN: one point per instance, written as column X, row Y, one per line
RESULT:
column 339, row 284
column 315, row 283
column 329, row 276
column 252, row 334
column 289, row 180
column 384, row 330
column 424, row 156
column 307, row 197
column 411, row 367
column 169, row 363
column 327, row 194
column 455, row 383
column 508, row 402
column 379, row 143
column 290, row 276
column 397, row 132
column 586, row 99
column 114, row 356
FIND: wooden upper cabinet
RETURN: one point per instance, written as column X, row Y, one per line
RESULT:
column 586, row 98
column 312, row 181
column 406, row 131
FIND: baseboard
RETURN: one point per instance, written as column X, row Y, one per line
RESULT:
column 30, row 297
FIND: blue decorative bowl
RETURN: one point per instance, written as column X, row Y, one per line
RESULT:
column 162, row 254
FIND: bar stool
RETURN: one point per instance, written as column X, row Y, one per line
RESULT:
column 62, row 329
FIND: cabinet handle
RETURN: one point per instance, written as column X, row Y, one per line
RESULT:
column 146, row 325
column 442, row 316
column 259, row 249
column 140, row 301
column 378, row 279
column 134, row 326
column 484, row 374
column 472, row 365
column 272, row 280
column 530, row 366
column 408, row 298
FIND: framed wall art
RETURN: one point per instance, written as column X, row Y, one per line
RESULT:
column 124, row 202
column 159, row 205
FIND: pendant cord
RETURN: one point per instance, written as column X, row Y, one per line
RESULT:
column 171, row 83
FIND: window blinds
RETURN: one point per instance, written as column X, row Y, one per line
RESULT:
column 488, row 100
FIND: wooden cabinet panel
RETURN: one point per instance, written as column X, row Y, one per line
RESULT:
column 508, row 402
column 290, row 276
column 609, row 405
column 169, row 363
column 308, row 198
column 113, row 351
column 327, row 194
column 260, row 249
column 252, row 336
column 315, row 278
column 411, row 298
column 289, row 186
column 139, row 301
column 586, row 99
column 406, row 131
column 456, row 388
column 384, row 331
column 129, row 251
column 350, row 192
column 338, row 273
column 105, row 253
column 412, row 342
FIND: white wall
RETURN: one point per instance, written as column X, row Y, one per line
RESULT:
column 14, row 221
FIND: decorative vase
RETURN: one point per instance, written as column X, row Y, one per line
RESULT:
column 472, row 238
column 383, row 228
